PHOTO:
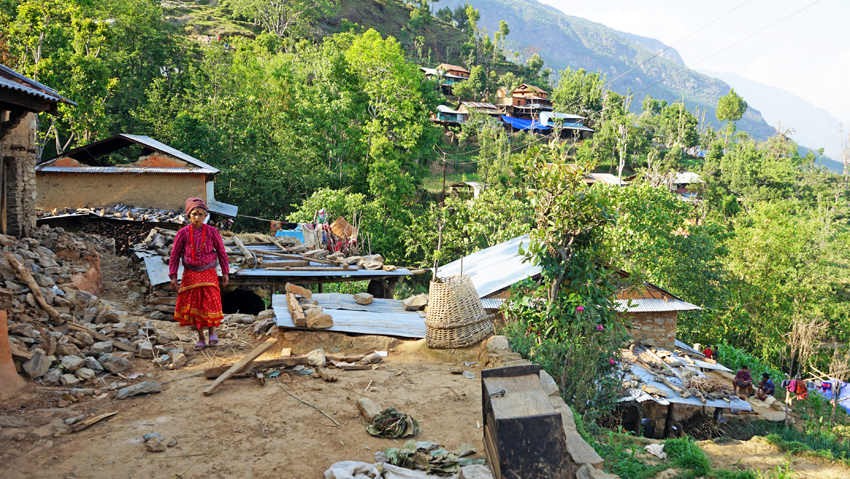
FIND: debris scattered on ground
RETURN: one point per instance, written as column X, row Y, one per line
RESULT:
column 391, row 424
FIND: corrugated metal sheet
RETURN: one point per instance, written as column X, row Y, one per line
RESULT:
column 638, row 395
column 162, row 147
column 495, row 268
column 446, row 109
column 492, row 303
column 29, row 86
column 118, row 170
column 479, row 104
column 687, row 177
column 654, row 305
column 381, row 320
column 223, row 208
column 673, row 397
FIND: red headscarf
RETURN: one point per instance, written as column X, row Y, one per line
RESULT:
column 195, row 202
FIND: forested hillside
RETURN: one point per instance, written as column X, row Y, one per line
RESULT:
column 564, row 41
column 309, row 108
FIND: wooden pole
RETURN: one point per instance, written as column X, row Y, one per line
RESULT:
column 248, row 359
column 444, row 178
column 668, row 423
column 36, row 290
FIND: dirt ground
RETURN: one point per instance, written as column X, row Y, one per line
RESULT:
column 244, row 430
column 759, row 454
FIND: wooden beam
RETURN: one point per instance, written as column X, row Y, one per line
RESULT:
column 212, row 373
column 36, row 290
column 245, row 361
column 244, row 250
column 295, row 257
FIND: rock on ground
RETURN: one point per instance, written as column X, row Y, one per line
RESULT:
column 37, row 365
column 475, row 472
column 368, row 408
column 316, row 319
column 316, row 357
column 147, row 387
column 363, row 298
column 113, row 364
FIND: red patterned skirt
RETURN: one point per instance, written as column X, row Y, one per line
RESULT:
column 199, row 300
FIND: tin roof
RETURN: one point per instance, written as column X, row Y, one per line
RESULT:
column 446, row 109
column 480, row 104
column 607, row 178
column 687, row 177
column 223, row 208
column 12, row 80
column 88, row 153
column 495, row 268
column 129, row 170
column 448, row 66
column 648, row 305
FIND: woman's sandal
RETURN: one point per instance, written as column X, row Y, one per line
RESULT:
column 213, row 340
column 200, row 345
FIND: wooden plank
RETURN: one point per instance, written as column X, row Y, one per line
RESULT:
column 34, row 287
column 212, row 373
column 360, row 322
column 101, row 337
column 523, row 397
column 356, row 367
column 285, row 352
column 294, row 257
column 88, row 422
column 245, row 361
column 284, row 264
column 244, row 250
column 295, row 311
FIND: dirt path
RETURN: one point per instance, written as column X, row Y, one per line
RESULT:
column 248, row 431
column 759, row 454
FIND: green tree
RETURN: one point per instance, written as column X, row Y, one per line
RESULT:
column 283, row 17
column 579, row 93
column 730, row 108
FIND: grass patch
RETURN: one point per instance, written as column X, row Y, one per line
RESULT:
column 619, row 451
column 434, row 184
column 686, row 455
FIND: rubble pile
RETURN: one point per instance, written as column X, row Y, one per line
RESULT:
column 61, row 334
column 121, row 212
column 125, row 234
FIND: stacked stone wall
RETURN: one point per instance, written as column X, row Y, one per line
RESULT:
column 19, row 153
column 658, row 326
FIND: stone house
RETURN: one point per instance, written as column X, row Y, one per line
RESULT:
column 21, row 100
column 98, row 175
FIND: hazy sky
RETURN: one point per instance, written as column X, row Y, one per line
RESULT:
column 807, row 54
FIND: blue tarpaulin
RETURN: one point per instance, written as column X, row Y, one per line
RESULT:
column 521, row 124
column 843, row 394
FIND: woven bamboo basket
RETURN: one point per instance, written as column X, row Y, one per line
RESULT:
column 459, row 337
column 453, row 303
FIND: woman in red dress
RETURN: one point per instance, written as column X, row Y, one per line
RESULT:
column 201, row 249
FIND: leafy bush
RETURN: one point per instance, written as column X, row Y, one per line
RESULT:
column 733, row 358
column 620, row 458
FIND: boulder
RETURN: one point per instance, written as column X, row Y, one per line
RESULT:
column 69, row 380
column 145, row 350
column 67, row 350
column 92, row 364
column 316, row 357
column 112, row 363
column 298, row 290
column 101, row 347
column 415, row 303
column 498, row 345
column 146, row 387
column 52, row 376
column 126, row 329
column 107, row 315
column 363, row 298
column 549, row 384
column 37, row 365
column 72, row 363
column 84, row 373
column 316, row 319
column 84, row 337
column 368, row 408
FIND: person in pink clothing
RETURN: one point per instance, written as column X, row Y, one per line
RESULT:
column 200, row 249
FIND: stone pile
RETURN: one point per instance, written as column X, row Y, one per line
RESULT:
column 121, row 212
column 86, row 337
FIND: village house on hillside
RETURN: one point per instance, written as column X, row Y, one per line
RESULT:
column 525, row 101
column 161, row 178
column 447, row 75
column 21, row 99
